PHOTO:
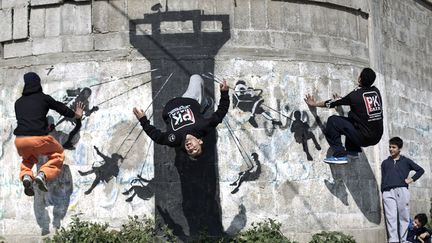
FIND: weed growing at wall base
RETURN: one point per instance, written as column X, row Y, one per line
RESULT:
column 332, row 237
column 144, row 230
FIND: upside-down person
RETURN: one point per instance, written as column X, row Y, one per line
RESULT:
column 186, row 124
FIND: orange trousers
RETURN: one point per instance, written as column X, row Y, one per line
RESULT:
column 30, row 147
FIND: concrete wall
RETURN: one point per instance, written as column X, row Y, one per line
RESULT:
column 280, row 49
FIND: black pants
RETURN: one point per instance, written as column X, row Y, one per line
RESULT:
column 337, row 126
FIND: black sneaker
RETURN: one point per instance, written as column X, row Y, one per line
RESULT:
column 207, row 105
column 40, row 180
column 28, row 185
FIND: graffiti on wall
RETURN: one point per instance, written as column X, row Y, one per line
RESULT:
column 105, row 171
column 249, row 99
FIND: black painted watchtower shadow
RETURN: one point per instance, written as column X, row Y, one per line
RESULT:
column 186, row 192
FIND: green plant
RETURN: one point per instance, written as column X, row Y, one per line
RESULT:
column 332, row 237
column 134, row 230
column 143, row 230
column 267, row 231
column 85, row 232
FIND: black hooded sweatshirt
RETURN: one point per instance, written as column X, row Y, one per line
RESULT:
column 182, row 116
column 365, row 112
column 31, row 110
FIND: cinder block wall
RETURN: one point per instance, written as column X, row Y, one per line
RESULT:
column 279, row 50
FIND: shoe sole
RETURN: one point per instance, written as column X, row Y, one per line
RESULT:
column 41, row 184
column 28, row 188
column 336, row 162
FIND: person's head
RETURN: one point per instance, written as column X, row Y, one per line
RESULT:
column 117, row 157
column 395, row 146
column 193, row 146
column 366, row 77
column 86, row 92
column 32, row 83
column 420, row 220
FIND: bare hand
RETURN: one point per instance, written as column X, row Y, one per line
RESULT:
column 310, row 100
column 139, row 113
column 408, row 180
column 223, row 86
column 79, row 109
column 423, row 236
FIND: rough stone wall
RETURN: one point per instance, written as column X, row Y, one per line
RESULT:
column 407, row 68
column 277, row 50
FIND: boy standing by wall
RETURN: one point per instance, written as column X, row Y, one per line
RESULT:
column 394, row 186
column 32, row 139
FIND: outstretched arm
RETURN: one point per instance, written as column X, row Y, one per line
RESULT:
column 155, row 134
column 63, row 110
column 310, row 101
column 336, row 101
column 223, row 106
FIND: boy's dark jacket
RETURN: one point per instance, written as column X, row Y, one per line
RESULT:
column 31, row 110
column 365, row 112
column 413, row 234
column 182, row 116
column 393, row 174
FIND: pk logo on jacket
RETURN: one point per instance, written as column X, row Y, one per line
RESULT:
column 181, row 116
column 373, row 105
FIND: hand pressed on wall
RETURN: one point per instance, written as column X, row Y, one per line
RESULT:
column 139, row 113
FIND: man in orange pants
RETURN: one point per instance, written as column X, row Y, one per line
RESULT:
column 32, row 139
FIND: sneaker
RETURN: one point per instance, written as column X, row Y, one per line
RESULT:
column 40, row 180
column 336, row 160
column 28, row 185
column 207, row 104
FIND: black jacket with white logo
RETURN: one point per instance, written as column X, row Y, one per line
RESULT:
column 366, row 112
column 31, row 110
column 182, row 116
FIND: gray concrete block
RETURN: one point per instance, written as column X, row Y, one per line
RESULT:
column 109, row 16
column 17, row 49
column 20, row 23
column 111, row 41
column 5, row 25
column 274, row 11
column 76, row 19
column 13, row 3
column 46, row 45
column 208, row 7
column 258, row 14
column 77, row 43
column 37, row 22
column 137, row 9
column 52, row 21
column 339, row 47
column 242, row 16
column 253, row 38
column 45, row 2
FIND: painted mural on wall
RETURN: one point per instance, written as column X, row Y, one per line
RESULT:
column 109, row 158
column 249, row 100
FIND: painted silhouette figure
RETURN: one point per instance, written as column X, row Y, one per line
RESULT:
column 250, row 174
column 72, row 97
column 249, row 99
column 106, row 171
column 144, row 192
column 302, row 133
